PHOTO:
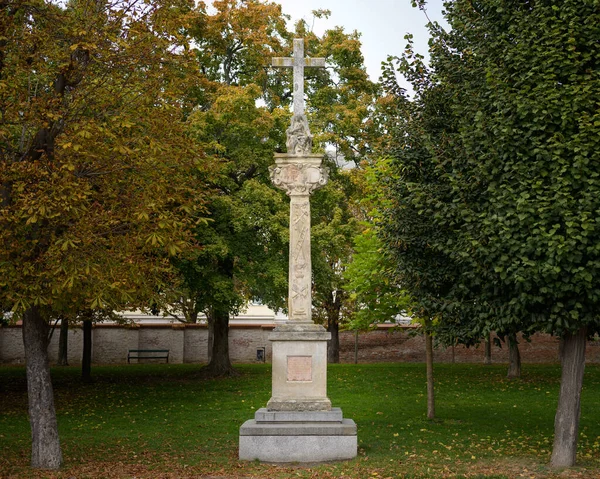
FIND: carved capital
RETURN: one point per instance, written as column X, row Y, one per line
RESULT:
column 299, row 178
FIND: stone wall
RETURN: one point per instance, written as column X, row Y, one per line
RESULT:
column 111, row 342
column 189, row 344
column 403, row 345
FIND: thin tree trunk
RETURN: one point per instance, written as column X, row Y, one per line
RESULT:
column 566, row 422
column 356, row 347
column 333, row 345
column 45, row 443
column 86, row 360
column 333, row 306
column 63, row 342
column 488, row 350
column 220, row 364
column 211, row 339
column 429, row 363
column 514, row 357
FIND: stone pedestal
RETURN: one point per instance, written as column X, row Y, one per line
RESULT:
column 299, row 424
column 299, row 368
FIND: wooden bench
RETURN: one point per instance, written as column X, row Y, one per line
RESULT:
column 147, row 354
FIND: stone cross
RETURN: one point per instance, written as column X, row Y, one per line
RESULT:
column 298, row 173
column 298, row 63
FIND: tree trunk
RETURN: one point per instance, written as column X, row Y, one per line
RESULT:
column 211, row 339
column 63, row 342
column 487, row 360
column 566, row 422
column 429, row 363
column 219, row 364
column 356, row 347
column 86, row 360
column 333, row 345
column 45, row 443
column 514, row 357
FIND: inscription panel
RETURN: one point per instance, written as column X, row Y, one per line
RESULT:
column 299, row 368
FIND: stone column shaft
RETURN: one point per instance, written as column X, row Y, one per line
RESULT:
column 299, row 176
column 300, row 273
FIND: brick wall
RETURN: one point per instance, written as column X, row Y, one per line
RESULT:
column 189, row 344
column 403, row 345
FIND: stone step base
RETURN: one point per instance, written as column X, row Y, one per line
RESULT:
column 295, row 441
column 345, row 428
column 297, row 405
column 264, row 415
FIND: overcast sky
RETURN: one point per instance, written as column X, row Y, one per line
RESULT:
column 382, row 23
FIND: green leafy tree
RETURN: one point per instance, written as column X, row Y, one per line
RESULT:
column 244, row 246
column 333, row 227
column 234, row 41
column 510, row 177
column 340, row 104
column 95, row 168
column 370, row 282
column 371, row 278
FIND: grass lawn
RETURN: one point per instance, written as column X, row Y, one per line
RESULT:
column 160, row 421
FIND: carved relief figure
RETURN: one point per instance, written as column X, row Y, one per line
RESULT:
column 300, row 258
column 299, row 139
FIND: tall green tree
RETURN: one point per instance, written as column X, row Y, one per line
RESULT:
column 371, row 278
column 334, row 225
column 244, row 246
column 510, row 177
column 95, row 168
column 340, row 105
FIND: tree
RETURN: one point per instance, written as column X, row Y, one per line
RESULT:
column 514, row 355
column 371, row 275
column 333, row 227
column 340, row 105
column 95, row 168
column 241, row 254
column 88, row 317
column 514, row 360
column 370, row 283
column 411, row 186
column 243, row 246
column 516, row 183
column 63, row 342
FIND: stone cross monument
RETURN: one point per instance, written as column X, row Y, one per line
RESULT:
column 299, row 424
column 298, row 62
column 299, row 173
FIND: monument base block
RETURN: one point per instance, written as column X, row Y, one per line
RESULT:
column 307, row 404
column 293, row 436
